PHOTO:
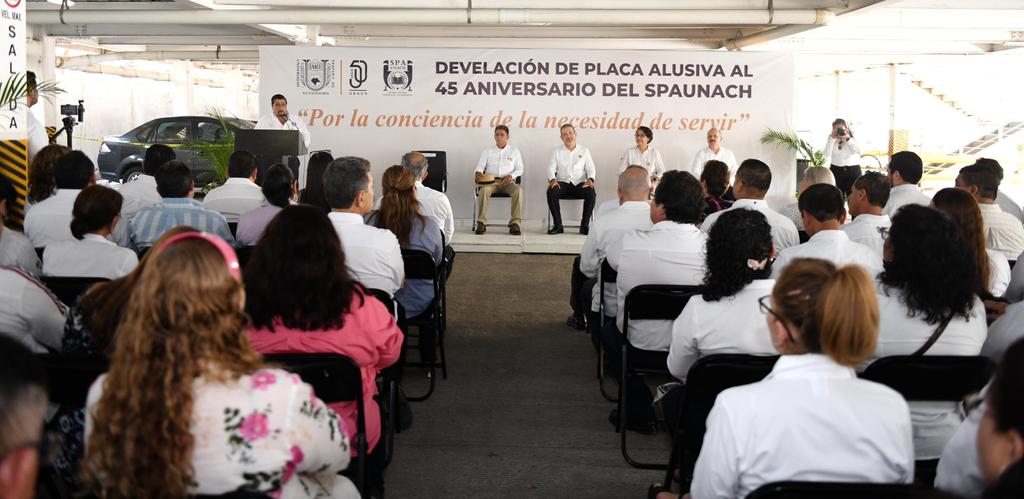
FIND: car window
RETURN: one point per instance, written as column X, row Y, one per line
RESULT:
column 210, row 132
column 143, row 134
column 172, row 132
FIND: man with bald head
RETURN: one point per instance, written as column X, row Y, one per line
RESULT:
column 715, row 151
column 634, row 193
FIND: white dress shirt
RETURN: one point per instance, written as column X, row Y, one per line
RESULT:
column 605, row 234
column 784, row 233
column 848, row 155
column 29, row 312
column 998, row 273
column 1003, row 232
column 37, row 138
column 810, row 420
column 864, row 230
column 704, row 155
column 270, row 122
column 436, row 206
column 1005, row 331
column 734, row 324
column 92, row 256
column 17, row 251
column 138, row 194
column 236, row 196
column 1007, row 204
column 574, row 167
column 834, row 246
column 958, row 472
column 605, row 208
column 649, row 159
column 1015, row 291
column 665, row 253
column 902, row 195
column 899, row 334
column 501, row 162
column 50, row 220
column 372, row 255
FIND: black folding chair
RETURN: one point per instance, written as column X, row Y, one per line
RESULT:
column 70, row 376
column 708, row 377
column 437, row 170
column 804, row 237
column 608, row 276
column 832, row 490
column 334, row 378
column 663, row 302
column 420, row 265
column 69, row 289
column 387, row 381
column 233, row 227
column 496, row 194
column 932, row 378
column 244, row 253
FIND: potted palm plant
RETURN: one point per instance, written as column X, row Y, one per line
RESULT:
column 806, row 155
column 14, row 91
column 217, row 153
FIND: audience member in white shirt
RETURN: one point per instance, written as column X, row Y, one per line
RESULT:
column 571, row 174
column 867, row 201
column 15, row 249
column 823, row 212
column 633, row 212
column 812, row 176
column 141, row 192
column 753, row 179
column 905, row 171
column 811, row 419
column 240, row 193
column 1003, row 232
column 715, row 151
column 372, row 255
column 1005, row 331
column 505, row 163
column 993, row 267
column 1005, row 202
column 280, row 190
column 435, row 204
column 644, row 155
column 90, row 253
column 1001, row 430
column 843, row 154
column 958, row 472
column 669, row 252
column 29, row 312
column 50, row 220
column 726, row 317
column 37, row 138
column 917, row 296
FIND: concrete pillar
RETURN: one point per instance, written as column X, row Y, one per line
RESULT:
column 49, row 73
column 183, row 81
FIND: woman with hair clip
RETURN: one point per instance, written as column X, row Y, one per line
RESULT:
column 96, row 212
column 993, row 267
column 811, row 419
column 843, row 154
column 279, row 190
column 928, row 305
column 642, row 154
column 187, row 406
column 301, row 299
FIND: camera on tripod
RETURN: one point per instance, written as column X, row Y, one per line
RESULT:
column 73, row 115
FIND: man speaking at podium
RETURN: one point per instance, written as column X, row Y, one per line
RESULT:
column 279, row 119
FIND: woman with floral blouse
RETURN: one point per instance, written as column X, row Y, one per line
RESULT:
column 187, row 407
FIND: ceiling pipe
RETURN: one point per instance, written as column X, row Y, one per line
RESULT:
column 546, row 4
column 437, row 16
column 189, row 55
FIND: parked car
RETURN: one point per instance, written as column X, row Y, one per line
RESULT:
column 120, row 157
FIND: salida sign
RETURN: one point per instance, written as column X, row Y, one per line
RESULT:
column 12, row 18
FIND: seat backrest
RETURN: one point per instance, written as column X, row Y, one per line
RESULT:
column 233, row 227
column 931, row 377
column 70, row 376
column 334, row 377
column 69, row 289
column 437, row 170
column 710, row 376
column 831, row 490
column 419, row 264
column 608, row 274
column 804, row 236
column 384, row 298
column 244, row 253
column 658, row 301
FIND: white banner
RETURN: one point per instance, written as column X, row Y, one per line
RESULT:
column 12, row 22
column 379, row 103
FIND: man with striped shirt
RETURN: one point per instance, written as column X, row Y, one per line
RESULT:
column 174, row 183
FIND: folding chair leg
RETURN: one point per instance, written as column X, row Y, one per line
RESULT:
column 430, row 389
column 623, row 418
column 600, row 375
column 444, row 358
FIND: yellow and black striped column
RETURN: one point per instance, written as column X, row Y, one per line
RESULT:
column 14, row 166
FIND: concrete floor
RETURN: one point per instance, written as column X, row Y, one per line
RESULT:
column 520, row 414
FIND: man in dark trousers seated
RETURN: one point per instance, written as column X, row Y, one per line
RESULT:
column 570, row 176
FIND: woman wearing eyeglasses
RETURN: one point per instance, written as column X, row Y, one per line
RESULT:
column 644, row 155
column 811, row 419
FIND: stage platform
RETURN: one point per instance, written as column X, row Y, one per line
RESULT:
column 532, row 240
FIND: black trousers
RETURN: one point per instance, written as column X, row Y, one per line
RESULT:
column 639, row 396
column 566, row 190
column 845, row 177
column 581, row 289
column 448, row 260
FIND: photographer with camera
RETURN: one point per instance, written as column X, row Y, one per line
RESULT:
column 843, row 154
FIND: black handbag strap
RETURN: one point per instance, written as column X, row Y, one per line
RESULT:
column 934, row 337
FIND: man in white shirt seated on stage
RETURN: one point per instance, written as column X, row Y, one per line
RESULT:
column 822, row 208
column 239, row 194
column 671, row 251
column 571, row 173
column 905, row 171
column 372, row 255
column 753, row 179
column 50, row 220
column 867, row 200
column 1003, row 232
column 502, row 165
column 434, row 204
column 634, row 212
column 715, row 151
column 280, row 119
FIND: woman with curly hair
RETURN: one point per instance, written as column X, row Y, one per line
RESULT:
column 993, row 267
column 187, row 406
column 928, row 305
column 40, row 174
column 726, row 318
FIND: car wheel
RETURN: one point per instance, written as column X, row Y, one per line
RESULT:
column 131, row 174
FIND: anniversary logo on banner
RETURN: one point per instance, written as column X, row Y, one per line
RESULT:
column 379, row 103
